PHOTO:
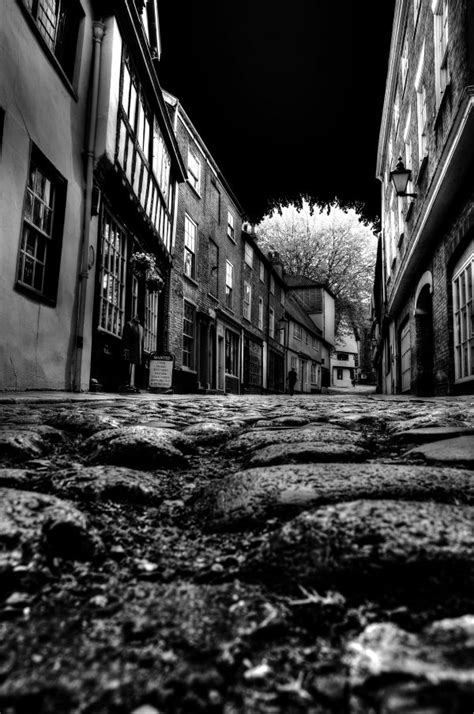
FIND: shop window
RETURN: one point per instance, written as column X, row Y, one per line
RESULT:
column 112, row 275
column 150, row 326
column 231, row 353
column 42, row 228
column 463, row 318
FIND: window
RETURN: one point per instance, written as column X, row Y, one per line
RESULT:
column 247, row 301
column 315, row 344
column 272, row 285
column 339, row 373
column 440, row 18
column 229, row 283
column 231, row 353
column 408, row 150
column 260, row 313
column 314, row 373
column 282, row 297
column 249, row 254
column 404, row 61
column 463, row 318
column 189, row 247
column 58, row 23
column 416, row 8
column 194, row 171
column 271, row 323
column 213, row 268
column 150, row 327
column 297, row 331
column 230, row 226
column 41, row 236
column 142, row 153
column 421, row 109
column 189, row 331
column 112, row 276
column 262, row 271
column 294, row 363
column 342, row 357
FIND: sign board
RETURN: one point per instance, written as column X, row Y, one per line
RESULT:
column 161, row 372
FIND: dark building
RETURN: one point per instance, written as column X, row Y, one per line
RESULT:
column 423, row 289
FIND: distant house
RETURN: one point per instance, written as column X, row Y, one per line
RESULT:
column 318, row 304
column 423, row 337
column 345, row 361
column 263, row 313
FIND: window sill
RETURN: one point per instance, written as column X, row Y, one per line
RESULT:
column 422, row 169
column 188, row 370
column 232, row 239
column 442, row 104
column 213, row 297
column 33, row 295
column 228, row 309
column 191, row 280
column 47, row 51
column 194, row 190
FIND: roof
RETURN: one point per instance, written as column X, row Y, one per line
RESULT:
column 296, row 312
column 175, row 103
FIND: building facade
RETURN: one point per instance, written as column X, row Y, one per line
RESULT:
column 345, row 362
column 205, row 300
column 423, row 301
column 79, row 201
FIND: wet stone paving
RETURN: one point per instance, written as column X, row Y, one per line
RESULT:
column 236, row 555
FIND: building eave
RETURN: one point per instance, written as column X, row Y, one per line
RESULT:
column 456, row 161
column 391, row 81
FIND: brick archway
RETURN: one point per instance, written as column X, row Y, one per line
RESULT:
column 424, row 342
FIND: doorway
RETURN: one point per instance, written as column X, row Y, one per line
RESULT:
column 424, row 345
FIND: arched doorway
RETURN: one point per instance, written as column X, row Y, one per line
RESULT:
column 424, row 342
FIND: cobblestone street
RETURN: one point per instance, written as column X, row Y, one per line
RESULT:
column 182, row 554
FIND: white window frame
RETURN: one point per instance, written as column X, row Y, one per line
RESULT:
column 230, row 226
column 194, row 171
column 440, row 9
column 189, row 338
column 421, row 109
column 297, row 331
column 260, row 313
column 112, row 275
column 404, row 62
column 271, row 323
column 261, row 271
column 272, row 284
column 229, row 284
column 190, row 234
column 247, row 301
column 248, row 255
column 150, row 325
column 463, row 332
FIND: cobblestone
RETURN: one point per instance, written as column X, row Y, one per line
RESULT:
column 236, row 555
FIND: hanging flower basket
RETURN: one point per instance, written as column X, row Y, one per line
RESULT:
column 142, row 264
column 154, row 282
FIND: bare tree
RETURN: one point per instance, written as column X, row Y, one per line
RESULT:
column 333, row 245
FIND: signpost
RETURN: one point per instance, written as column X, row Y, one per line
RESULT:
column 161, row 372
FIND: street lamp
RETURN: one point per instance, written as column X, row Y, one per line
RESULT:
column 400, row 177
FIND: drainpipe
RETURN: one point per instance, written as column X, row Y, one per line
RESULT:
column 98, row 35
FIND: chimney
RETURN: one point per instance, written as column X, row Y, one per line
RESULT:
column 275, row 260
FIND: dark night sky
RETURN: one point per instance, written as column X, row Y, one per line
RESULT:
column 286, row 96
